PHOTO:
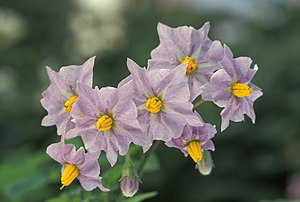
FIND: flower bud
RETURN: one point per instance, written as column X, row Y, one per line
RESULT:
column 129, row 186
column 205, row 165
column 129, row 183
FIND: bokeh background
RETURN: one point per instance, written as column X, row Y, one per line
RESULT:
column 258, row 162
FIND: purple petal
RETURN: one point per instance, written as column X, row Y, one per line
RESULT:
column 54, row 151
column 185, row 110
column 227, row 62
column 94, row 141
column 91, row 166
column 78, row 157
column 121, row 141
column 174, row 85
column 231, row 112
column 139, row 76
column 209, row 145
column 175, row 124
column 58, row 82
column 111, row 152
column 72, row 73
column 89, row 183
column 215, row 51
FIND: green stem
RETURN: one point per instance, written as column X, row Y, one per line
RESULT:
column 128, row 169
column 146, row 156
column 197, row 104
column 127, row 158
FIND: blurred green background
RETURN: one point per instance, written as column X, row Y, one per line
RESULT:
column 258, row 162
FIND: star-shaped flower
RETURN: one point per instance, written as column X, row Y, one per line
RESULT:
column 77, row 164
column 231, row 88
column 187, row 45
column 194, row 140
column 62, row 93
column 106, row 119
column 162, row 98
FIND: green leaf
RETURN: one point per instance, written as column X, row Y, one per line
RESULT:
column 141, row 197
column 24, row 173
column 72, row 195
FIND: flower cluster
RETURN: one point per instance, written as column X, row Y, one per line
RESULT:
column 153, row 103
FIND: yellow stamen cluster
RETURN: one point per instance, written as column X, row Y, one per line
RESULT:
column 69, row 103
column 104, row 123
column 69, row 174
column 195, row 151
column 192, row 64
column 240, row 90
column 153, row 105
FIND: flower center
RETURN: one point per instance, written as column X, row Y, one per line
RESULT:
column 69, row 103
column 69, row 174
column 104, row 123
column 153, row 105
column 192, row 64
column 240, row 90
column 195, row 151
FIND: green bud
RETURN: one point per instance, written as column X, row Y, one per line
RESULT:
column 205, row 165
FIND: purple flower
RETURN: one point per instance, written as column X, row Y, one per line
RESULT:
column 62, row 93
column 187, row 45
column 77, row 164
column 195, row 140
column 232, row 89
column 106, row 119
column 162, row 97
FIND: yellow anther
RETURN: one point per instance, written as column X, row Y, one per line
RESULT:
column 240, row 90
column 195, row 151
column 69, row 103
column 153, row 105
column 192, row 64
column 104, row 123
column 69, row 174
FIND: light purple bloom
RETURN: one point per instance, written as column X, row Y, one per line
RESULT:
column 106, row 119
column 232, row 89
column 162, row 97
column 86, row 164
column 202, row 134
column 187, row 45
column 62, row 93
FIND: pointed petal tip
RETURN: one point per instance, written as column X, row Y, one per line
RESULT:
column 104, row 189
column 206, row 24
column 226, row 47
column 129, row 61
column 45, row 121
column 50, row 70
column 162, row 25
column 89, row 62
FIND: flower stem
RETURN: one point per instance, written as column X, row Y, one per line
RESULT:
column 197, row 104
column 146, row 156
